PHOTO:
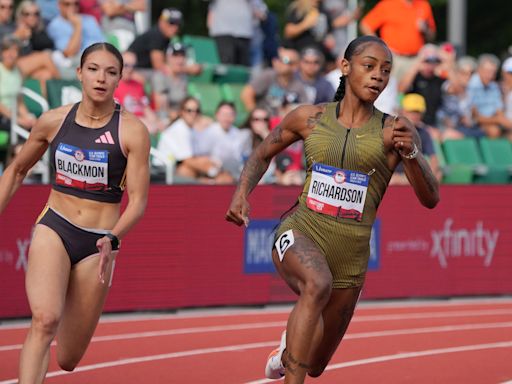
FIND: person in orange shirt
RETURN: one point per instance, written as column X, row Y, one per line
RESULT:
column 405, row 26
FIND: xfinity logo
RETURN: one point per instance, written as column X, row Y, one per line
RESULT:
column 450, row 242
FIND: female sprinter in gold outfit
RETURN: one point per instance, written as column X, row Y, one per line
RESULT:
column 322, row 248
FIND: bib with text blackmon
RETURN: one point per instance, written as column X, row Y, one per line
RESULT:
column 81, row 168
column 337, row 192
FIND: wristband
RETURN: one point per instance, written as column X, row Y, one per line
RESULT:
column 114, row 241
column 412, row 155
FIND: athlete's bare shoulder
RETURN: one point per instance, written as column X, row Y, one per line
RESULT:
column 303, row 118
column 134, row 130
column 50, row 121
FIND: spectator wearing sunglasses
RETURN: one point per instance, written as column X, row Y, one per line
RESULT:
column 35, row 59
column 7, row 25
column 176, row 143
column 311, row 62
column 170, row 88
column 267, row 88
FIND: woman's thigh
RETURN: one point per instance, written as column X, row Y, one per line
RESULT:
column 84, row 303
column 301, row 260
column 47, row 275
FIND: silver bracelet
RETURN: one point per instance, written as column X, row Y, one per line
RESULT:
column 412, row 155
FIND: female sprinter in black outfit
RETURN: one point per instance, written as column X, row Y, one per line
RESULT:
column 96, row 149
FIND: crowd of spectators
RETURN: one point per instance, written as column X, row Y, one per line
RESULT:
column 446, row 95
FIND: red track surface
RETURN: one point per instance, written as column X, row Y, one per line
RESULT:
column 423, row 342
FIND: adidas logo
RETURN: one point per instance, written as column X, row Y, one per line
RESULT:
column 106, row 138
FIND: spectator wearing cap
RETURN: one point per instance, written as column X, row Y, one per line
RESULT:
column 405, row 26
column 485, row 98
column 267, row 88
column 150, row 47
column 413, row 108
column 230, row 23
column 131, row 95
column 311, row 62
column 71, row 33
column 170, row 88
column 422, row 78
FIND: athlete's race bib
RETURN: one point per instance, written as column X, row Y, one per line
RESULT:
column 337, row 192
column 81, row 168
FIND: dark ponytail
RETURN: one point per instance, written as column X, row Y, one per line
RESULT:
column 355, row 47
column 340, row 92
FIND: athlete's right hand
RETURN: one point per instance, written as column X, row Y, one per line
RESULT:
column 238, row 211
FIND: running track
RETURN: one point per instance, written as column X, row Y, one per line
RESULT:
column 450, row 341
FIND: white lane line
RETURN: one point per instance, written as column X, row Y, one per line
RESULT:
column 278, row 324
column 234, row 348
column 406, row 355
column 273, row 309
column 360, row 318
column 165, row 356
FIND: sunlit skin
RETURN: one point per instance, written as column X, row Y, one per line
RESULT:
column 66, row 300
column 100, row 77
column 321, row 314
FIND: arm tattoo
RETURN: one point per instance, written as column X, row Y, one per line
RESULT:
column 253, row 171
column 429, row 176
column 276, row 135
column 313, row 120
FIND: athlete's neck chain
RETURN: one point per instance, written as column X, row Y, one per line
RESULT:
column 96, row 118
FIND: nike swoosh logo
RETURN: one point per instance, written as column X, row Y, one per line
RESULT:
column 360, row 136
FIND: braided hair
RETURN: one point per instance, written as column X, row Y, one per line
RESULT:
column 355, row 47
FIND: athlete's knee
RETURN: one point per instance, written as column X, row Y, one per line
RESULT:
column 45, row 323
column 67, row 363
column 318, row 288
column 68, row 360
column 316, row 371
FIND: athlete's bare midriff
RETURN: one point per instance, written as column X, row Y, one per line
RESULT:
column 83, row 212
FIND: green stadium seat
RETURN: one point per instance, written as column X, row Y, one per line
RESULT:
column 454, row 174
column 497, row 153
column 231, row 93
column 4, row 139
column 61, row 92
column 206, row 75
column 465, row 152
column 33, row 97
column 203, row 49
column 209, row 95
column 231, row 74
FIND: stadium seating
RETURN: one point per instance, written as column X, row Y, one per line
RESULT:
column 204, row 51
column 61, row 92
column 455, row 173
column 497, row 153
column 33, row 97
column 208, row 94
column 465, row 152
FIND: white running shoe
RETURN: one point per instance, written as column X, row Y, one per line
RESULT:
column 275, row 368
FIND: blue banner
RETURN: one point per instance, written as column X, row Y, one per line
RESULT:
column 258, row 242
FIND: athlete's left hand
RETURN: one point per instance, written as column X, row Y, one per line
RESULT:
column 105, row 247
column 404, row 135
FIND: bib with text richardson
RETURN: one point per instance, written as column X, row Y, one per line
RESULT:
column 337, row 192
